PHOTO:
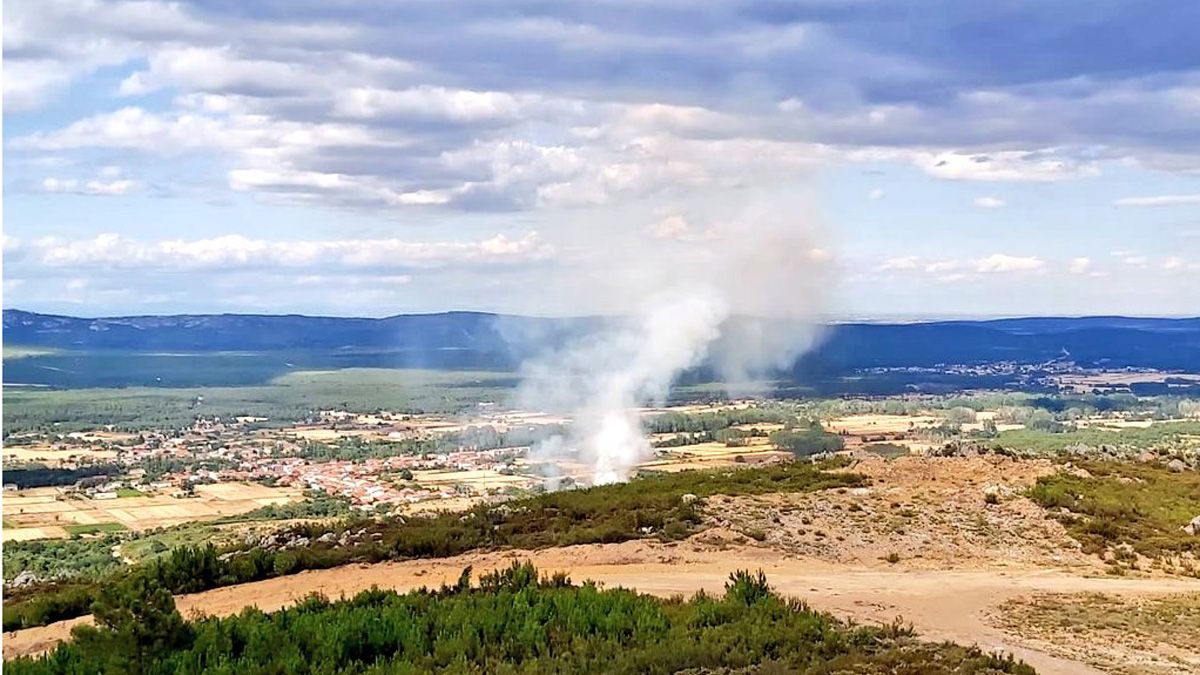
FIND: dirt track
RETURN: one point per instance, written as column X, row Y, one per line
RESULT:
column 942, row 605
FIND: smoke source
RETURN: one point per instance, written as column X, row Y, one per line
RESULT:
column 740, row 294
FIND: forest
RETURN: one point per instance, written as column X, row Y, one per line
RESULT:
column 513, row 621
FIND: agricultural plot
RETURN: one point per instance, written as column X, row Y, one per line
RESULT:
column 51, row 456
column 39, row 512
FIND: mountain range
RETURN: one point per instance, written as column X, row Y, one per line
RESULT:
column 493, row 341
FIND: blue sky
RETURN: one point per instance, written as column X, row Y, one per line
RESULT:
column 370, row 158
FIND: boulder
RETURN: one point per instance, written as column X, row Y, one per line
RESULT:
column 1176, row 465
column 688, row 498
column 24, row 579
column 1193, row 528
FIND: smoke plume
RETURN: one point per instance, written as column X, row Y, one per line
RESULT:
column 739, row 294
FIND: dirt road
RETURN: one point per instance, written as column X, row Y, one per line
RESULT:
column 942, row 605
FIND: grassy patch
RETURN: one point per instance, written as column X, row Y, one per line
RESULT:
column 97, row 528
column 1160, row 436
column 129, row 492
column 514, row 622
column 1142, row 505
column 1134, row 630
column 886, row 450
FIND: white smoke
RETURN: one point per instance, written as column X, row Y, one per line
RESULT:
column 741, row 293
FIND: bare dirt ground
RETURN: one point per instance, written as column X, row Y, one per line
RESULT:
column 931, row 513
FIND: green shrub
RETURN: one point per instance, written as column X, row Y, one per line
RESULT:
column 515, row 622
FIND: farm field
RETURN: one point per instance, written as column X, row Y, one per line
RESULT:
column 52, row 456
column 37, row 513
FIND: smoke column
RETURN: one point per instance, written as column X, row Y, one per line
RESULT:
column 741, row 294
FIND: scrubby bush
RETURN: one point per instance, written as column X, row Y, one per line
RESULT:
column 515, row 622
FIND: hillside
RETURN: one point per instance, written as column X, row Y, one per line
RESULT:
column 1115, row 341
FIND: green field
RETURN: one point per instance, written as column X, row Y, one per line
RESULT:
column 294, row 396
column 1160, row 436
column 97, row 528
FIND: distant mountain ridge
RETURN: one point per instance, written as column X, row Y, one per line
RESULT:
column 256, row 332
column 1100, row 340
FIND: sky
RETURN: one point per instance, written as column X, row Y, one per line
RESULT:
column 943, row 157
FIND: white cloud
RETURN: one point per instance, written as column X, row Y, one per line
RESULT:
column 676, row 227
column 1080, row 265
column 232, row 251
column 90, row 187
column 218, row 69
column 1173, row 263
column 989, row 202
column 943, row 266
column 1159, row 200
column 437, row 103
column 1014, row 166
column 910, row 262
column 671, row 227
column 998, row 262
column 876, row 194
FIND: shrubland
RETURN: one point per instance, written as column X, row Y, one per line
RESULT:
column 513, row 622
column 1108, row 504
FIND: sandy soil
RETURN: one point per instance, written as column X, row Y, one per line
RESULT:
column 942, row 605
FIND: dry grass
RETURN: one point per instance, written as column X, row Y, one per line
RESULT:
column 1139, row 636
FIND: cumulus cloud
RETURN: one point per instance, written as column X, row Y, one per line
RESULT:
column 1080, row 265
column 989, row 202
column 506, row 109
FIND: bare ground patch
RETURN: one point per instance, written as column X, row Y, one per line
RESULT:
column 919, row 512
